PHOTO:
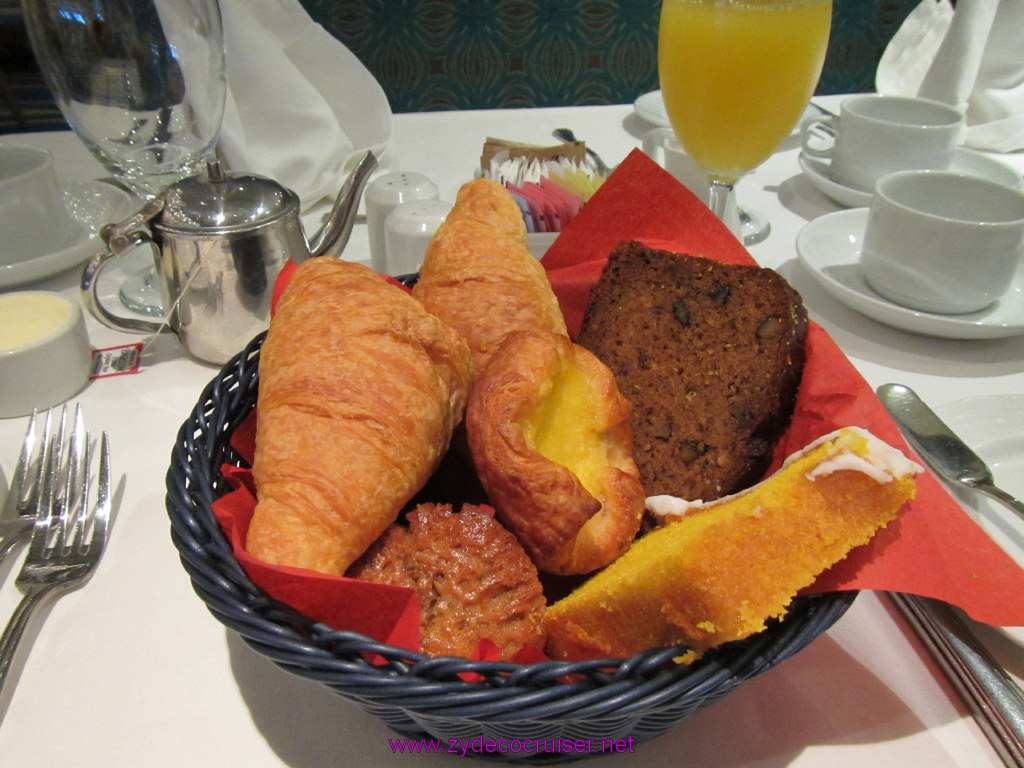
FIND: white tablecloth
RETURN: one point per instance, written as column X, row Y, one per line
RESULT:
column 133, row 671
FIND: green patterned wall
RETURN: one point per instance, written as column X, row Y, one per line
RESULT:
column 466, row 54
column 469, row 54
column 459, row 54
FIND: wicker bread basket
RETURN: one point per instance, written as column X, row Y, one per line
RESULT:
column 422, row 697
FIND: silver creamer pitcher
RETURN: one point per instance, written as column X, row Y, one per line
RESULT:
column 220, row 240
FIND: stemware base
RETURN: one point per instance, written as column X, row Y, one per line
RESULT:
column 754, row 227
column 140, row 292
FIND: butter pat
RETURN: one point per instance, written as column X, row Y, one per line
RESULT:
column 45, row 357
column 30, row 317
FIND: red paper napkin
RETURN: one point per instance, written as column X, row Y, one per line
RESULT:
column 934, row 549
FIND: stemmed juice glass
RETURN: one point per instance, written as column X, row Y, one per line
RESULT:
column 736, row 75
column 142, row 83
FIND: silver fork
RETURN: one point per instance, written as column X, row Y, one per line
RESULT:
column 20, row 506
column 68, row 535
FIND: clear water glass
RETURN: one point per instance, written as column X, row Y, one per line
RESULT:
column 142, row 84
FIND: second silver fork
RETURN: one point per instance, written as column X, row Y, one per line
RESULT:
column 69, row 533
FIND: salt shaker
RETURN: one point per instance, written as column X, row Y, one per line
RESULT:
column 408, row 230
column 383, row 195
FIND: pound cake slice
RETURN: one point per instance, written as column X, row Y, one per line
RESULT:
column 710, row 357
column 720, row 571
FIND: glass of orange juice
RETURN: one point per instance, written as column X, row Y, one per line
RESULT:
column 736, row 75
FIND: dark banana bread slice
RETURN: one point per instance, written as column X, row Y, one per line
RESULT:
column 710, row 357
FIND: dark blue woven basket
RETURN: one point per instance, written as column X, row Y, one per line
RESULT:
column 422, row 697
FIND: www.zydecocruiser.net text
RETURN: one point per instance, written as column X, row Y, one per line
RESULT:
column 482, row 746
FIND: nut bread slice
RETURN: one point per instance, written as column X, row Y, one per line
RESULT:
column 710, row 357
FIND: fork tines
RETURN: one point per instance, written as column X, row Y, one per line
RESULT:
column 64, row 519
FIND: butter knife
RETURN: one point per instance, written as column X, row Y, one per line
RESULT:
column 942, row 450
column 993, row 697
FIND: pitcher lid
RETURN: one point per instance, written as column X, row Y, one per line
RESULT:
column 218, row 200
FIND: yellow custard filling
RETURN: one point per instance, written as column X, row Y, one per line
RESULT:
column 563, row 427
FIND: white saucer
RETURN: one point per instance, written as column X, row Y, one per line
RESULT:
column 991, row 426
column 829, row 247
column 965, row 161
column 651, row 107
column 91, row 204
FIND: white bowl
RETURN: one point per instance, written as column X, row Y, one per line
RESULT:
column 45, row 356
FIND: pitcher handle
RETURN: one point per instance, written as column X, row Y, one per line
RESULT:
column 120, row 239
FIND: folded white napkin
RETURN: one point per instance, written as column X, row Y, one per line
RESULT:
column 970, row 57
column 301, row 108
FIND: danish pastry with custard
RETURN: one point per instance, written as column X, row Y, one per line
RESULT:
column 550, row 437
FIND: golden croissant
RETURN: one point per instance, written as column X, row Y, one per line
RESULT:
column 360, row 389
column 479, row 276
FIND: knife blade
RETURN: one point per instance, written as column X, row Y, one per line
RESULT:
column 939, row 447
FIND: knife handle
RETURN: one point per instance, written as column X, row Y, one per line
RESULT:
column 993, row 697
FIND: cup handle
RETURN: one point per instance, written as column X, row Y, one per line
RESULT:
column 823, row 130
column 654, row 142
column 90, row 282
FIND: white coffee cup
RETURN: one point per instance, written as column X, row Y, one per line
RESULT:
column 942, row 242
column 408, row 231
column 877, row 134
column 382, row 196
column 33, row 217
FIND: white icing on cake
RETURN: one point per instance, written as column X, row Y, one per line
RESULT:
column 671, row 506
column 877, row 459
